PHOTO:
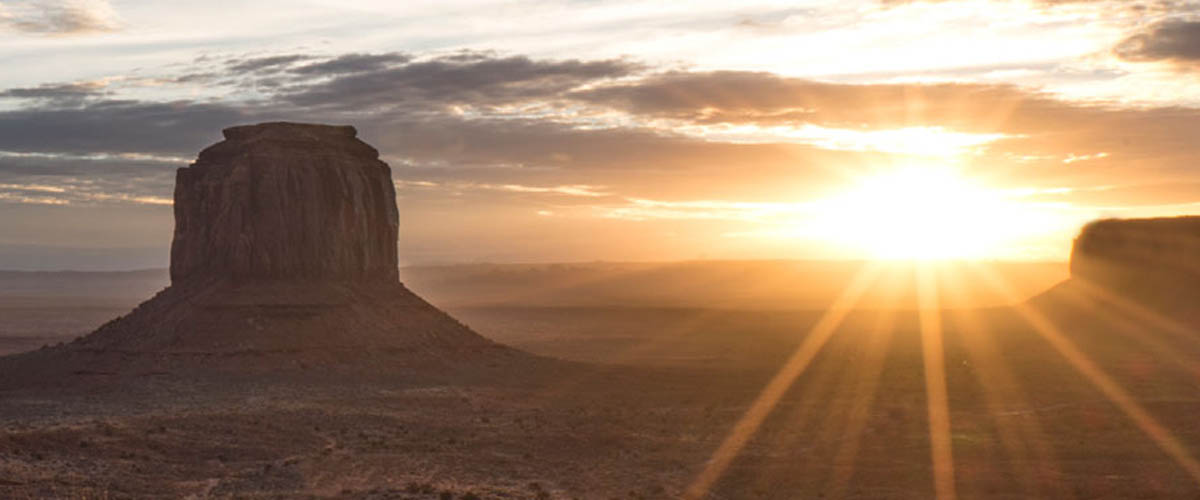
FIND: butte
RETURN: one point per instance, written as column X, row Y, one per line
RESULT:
column 284, row 260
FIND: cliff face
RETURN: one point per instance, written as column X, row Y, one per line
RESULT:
column 285, row 201
column 1156, row 257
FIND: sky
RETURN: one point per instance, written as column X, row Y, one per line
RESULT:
column 550, row 131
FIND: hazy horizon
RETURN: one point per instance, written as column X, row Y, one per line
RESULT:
column 118, row 261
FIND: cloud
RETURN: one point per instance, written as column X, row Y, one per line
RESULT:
column 473, row 79
column 58, row 94
column 85, row 182
column 265, row 63
column 1174, row 41
column 639, row 209
column 769, row 99
column 353, row 63
column 1030, row 123
column 118, row 126
column 477, row 118
column 583, row 190
column 59, row 17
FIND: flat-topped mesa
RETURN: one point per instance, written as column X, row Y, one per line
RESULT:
column 286, row 201
column 1148, row 257
column 284, row 259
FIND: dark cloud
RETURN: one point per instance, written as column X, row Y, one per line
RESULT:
column 1037, row 124
column 267, row 63
column 398, row 82
column 59, row 17
column 436, row 119
column 430, row 86
column 461, row 79
column 198, row 77
column 766, row 98
column 353, row 63
column 265, row 73
column 442, row 109
column 535, row 144
column 113, row 126
column 1171, row 41
column 57, row 93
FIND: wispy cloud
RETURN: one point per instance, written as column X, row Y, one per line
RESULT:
column 266, row 63
column 922, row 141
column 33, row 187
column 59, row 17
column 84, row 183
column 639, row 209
column 130, row 156
column 69, row 94
column 573, row 190
column 55, row 195
column 32, row 200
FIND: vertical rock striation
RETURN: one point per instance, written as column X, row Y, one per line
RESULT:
column 285, row 201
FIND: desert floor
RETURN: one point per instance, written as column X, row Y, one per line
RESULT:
column 643, row 400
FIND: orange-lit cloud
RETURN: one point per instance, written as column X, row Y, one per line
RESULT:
column 647, row 131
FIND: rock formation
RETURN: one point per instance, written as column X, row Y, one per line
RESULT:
column 284, row 253
column 1152, row 261
column 1136, row 254
column 285, row 201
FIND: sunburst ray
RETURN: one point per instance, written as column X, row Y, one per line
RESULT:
column 936, row 396
column 752, row 419
column 1042, row 325
column 1024, row 439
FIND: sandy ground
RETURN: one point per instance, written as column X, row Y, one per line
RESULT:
column 653, row 396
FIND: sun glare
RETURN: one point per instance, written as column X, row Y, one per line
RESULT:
column 925, row 213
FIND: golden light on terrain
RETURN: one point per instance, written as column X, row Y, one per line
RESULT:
column 747, row 426
column 1098, row 377
column 936, row 394
column 927, row 213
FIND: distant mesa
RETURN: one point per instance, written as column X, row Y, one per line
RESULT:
column 284, row 253
column 1155, row 260
column 1123, row 252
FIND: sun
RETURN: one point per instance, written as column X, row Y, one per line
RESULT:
column 926, row 213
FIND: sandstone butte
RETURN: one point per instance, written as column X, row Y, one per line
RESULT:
column 284, row 256
column 1153, row 261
